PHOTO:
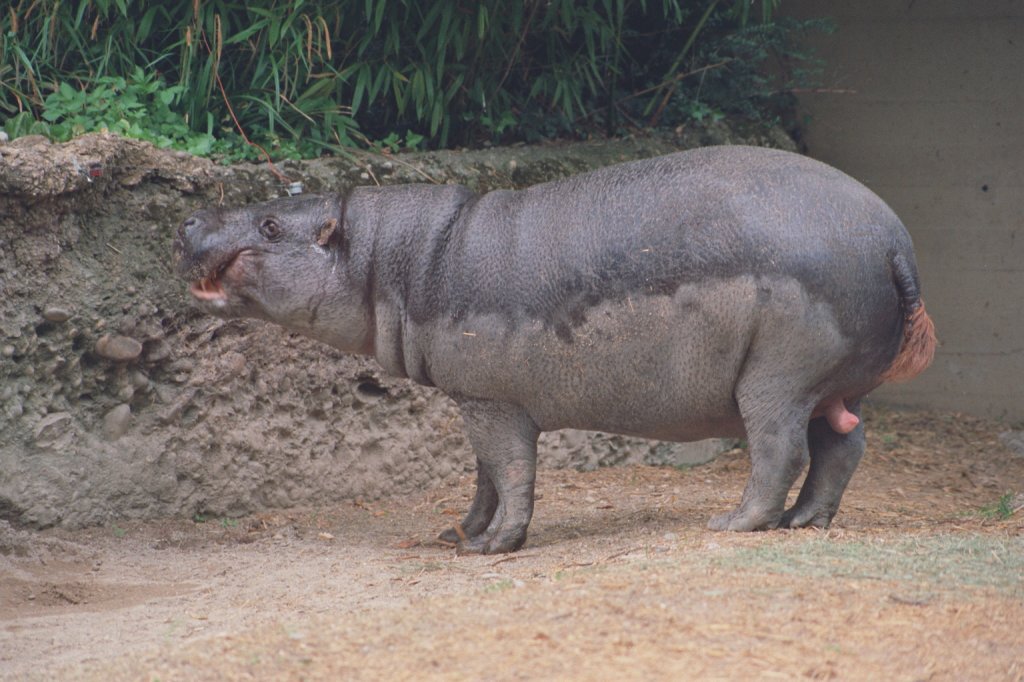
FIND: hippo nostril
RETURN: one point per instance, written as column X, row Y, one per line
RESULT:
column 186, row 225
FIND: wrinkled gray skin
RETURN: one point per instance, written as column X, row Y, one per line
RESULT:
column 725, row 291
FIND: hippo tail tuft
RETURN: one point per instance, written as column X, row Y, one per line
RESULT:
column 918, row 346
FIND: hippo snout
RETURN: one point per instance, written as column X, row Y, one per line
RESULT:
column 194, row 244
column 186, row 225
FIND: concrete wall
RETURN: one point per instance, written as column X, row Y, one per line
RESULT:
column 935, row 126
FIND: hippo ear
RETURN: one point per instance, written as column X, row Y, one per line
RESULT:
column 328, row 234
column 326, row 231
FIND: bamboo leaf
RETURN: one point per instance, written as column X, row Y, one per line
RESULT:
column 481, row 21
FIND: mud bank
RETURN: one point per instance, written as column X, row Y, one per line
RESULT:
column 119, row 401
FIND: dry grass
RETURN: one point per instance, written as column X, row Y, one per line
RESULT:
column 619, row 580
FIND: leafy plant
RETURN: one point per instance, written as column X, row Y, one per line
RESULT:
column 394, row 142
column 301, row 77
column 1001, row 510
column 139, row 107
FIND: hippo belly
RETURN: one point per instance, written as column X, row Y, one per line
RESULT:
column 654, row 366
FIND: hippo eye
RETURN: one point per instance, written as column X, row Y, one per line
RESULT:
column 271, row 230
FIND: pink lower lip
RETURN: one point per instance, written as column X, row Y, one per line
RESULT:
column 208, row 289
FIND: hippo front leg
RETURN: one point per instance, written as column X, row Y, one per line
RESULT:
column 504, row 439
column 481, row 511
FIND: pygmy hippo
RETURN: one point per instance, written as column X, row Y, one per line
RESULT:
column 725, row 291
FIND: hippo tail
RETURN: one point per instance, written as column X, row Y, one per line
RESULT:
column 917, row 349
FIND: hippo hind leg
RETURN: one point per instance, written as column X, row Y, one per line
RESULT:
column 834, row 457
column 505, row 441
column 778, row 454
column 797, row 351
column 481, row 511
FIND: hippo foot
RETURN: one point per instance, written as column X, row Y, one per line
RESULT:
column 449, row 536
column 475, row 524
column 499, row 543
column 740, row 520
column 803, row 516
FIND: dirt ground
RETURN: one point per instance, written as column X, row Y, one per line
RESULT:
column 921, row 577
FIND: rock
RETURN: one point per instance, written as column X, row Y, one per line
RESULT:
column 52, row 429
column 115, row 423
column 157, row 351
column 1014, row 440
column 139, row 381
column 173, row 414
column 118, row 348
column 233, row 362
column 15, row 408
column 53, row 313
column 27, row 141
column 183, row 365
column 686, row 454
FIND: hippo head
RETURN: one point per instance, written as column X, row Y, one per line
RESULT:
column 285, row 261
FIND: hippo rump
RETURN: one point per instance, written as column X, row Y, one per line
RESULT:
column 725, row 291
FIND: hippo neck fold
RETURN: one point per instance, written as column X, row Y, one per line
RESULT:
column 403, row 231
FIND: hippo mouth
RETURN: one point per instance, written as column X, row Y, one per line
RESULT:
column 211, row 287
column 208, row 289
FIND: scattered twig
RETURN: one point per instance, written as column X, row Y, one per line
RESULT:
column 373, row 176
column 408, row 543
column 674, row 79
column 515, row 52
column 513, row 557
column 416, row 169
column 622, row 553
column 241, row 131
column 910, row 601
column 639, row 93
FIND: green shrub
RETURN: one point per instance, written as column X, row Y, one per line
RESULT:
column 305, row 76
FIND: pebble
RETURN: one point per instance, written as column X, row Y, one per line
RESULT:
column 1014, row 440
column 157, row 351
column 139, row 380
column 15, row 408
column 234, row 362
column 115, row 423
column 51, row 428
column 54, row 313
column 182, row 365
column 118, row 348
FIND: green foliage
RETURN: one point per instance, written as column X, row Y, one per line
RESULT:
column 1001, row 510
column 140, row 107
column 305, row 76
